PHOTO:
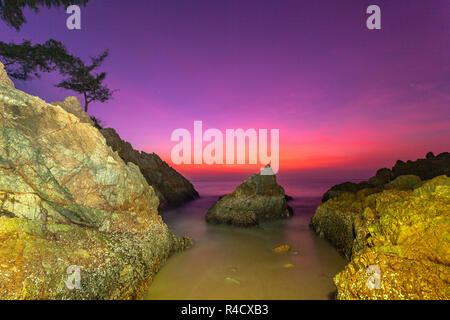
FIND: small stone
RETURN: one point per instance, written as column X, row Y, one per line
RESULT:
column 232, row 281
column 282, row 248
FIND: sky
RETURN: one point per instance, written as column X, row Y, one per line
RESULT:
column 346, row 99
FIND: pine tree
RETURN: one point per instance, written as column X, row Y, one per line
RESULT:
column 82, row 80
column 26, row 61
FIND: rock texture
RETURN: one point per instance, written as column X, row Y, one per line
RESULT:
column 4, row 79
column 402, row 230
column 170, row 186
column 73, row 106
column 258, row 198
column 428, row 168
column 67, row 199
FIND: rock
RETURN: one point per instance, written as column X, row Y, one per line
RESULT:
column 258, row 198
column 4, row 79
column 382, row 177
column 400, row 231
column 425, row 169
column 232, row 281
column 67, row 199
column 170, row 186
column 430, row 155
column 346, row 187
column 407, row 182
column 282, row 248
column 73, row 106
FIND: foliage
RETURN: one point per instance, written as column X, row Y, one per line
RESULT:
column 26, row 61
column 11, row 11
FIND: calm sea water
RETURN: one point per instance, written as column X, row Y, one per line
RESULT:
column 235, row 263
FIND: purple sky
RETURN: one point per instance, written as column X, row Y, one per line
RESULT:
column 342, row 96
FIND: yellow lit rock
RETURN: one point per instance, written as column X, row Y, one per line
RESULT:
column 66, row 199
column 401, row 232
column 282, row 248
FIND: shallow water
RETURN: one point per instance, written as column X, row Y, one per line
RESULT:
column 235, row 263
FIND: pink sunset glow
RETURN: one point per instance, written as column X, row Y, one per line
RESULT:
column 343, row 97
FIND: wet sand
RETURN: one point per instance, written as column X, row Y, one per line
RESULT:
column 233, row 263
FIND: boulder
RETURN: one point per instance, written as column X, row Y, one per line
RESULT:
column 282, row 248
column 428, row 168
column 170, row 186
column 405, row 183
column 66, row 199
column 257, row 199
column 402, row 231
column 73, row 106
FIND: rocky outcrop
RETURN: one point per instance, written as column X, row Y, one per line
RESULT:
column 428, row 168
column 66, row 199
column 73, row 106
column 4, row 79
column 396, row 238
column 257, row 199
column 170, row 186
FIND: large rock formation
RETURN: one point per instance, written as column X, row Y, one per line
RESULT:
column 67, row 199
column 396, row 238
column 170, row 186
column 428, row 168
column 257, row 199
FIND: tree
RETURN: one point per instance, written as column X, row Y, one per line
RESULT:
column 11, row 11
column 82, row 80
column 25, row 61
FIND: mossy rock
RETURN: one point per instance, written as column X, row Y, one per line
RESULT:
column 404, row 231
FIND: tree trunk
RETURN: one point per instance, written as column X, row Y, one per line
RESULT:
column 86, row 103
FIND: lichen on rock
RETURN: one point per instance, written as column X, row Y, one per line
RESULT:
column 402, row 231
column 258, row 198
